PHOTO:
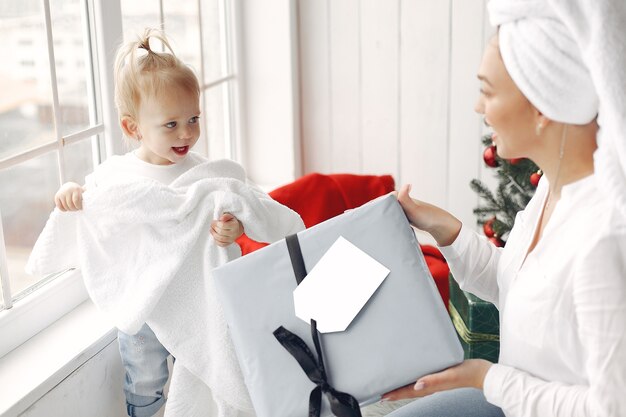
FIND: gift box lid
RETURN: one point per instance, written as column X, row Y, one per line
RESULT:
column 403, row 331
column 479, row 316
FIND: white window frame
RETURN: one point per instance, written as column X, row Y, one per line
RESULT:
column 55, row 296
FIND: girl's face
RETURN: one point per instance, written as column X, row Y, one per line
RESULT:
column 511, row 116
column 167, row 126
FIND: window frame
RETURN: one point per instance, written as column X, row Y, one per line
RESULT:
column 41, row 305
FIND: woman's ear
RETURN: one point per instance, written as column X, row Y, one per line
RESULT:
column 541, row 122
column 130, row 127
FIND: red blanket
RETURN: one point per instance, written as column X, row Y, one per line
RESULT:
column 318, row 197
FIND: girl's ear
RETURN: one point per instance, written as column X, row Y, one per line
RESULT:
column 130, row 127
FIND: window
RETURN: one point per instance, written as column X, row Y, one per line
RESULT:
column 49, row 127
column 57, row 120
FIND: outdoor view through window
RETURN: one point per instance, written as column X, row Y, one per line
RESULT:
column 27, row 119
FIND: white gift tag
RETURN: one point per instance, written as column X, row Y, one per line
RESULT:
column 338, row 287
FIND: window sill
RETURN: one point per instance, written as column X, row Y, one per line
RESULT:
column 31, row 370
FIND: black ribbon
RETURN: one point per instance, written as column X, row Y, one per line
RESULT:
column 341, row 403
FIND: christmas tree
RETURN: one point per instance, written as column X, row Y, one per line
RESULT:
column 517, row 181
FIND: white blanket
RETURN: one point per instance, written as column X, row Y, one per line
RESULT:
column 146, row 255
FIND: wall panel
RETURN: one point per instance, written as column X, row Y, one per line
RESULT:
column 388, row 87
column 380, row 99
column 424, row 98
column 315, row 100
column 345, row 86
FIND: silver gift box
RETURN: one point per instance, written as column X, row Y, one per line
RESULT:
column 402, row 333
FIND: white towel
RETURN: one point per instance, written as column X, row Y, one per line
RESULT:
column 146, row 255
column 568, row 57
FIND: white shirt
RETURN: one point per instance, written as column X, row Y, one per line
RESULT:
column 129, row 165
column 562, row 312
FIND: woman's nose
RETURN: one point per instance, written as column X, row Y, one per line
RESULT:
column 479, row 106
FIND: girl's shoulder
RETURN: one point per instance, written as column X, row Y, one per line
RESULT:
column 110, row 168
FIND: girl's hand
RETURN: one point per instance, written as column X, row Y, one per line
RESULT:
column 69, row 197
column 226, row 229
column 443, row 226
column 470, row 373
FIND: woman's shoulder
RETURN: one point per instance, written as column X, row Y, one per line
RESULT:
column 598, row 216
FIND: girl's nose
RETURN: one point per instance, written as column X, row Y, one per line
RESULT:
column 185, row 132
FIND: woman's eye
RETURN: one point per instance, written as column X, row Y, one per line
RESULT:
column 170, row 125
column 194, row 119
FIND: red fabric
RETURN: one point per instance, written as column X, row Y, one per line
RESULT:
column 317, row 197
column 438, row 269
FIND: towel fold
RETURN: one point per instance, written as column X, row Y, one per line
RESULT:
column 568, row 57
column 146, row 254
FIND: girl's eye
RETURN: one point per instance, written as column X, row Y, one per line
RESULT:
column 194, row 119
column 170, row 125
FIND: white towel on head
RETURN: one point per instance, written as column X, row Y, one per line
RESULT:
column 544, row 60
column 146, row 255
column 568, row 57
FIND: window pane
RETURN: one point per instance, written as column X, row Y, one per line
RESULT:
column 214, row 127
column 25, row 116
column 183, row 31
column 138, row 15
column 213, row 41
column 26, row 200
column 79, row 160
column 71, row 54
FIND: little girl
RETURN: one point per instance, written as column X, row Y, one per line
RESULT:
column 157, row 98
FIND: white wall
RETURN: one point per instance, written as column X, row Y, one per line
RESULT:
column 269, row 91
column 388, row 87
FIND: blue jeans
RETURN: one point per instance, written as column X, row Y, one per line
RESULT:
column 145, row 363
column 462, row 402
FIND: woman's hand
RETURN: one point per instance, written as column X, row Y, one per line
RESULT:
column 69, row 197
column 443, row 226
column 226, row 229
column 471, row 373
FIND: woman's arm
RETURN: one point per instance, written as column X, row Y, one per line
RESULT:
column 473, row 260
column 442, row 226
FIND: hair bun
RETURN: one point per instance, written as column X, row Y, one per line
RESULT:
column 145, row 44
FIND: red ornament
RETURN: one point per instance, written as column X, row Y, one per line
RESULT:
column 488, row 227
column 535, row 177
column 496, row 241
column 489, row 156
column 515, row 161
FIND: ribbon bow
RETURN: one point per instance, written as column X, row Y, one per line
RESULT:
column 341, row 404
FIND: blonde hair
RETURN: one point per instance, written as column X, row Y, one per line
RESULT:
column 140, row 74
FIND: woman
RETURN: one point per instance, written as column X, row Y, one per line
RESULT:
column 560, row 283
